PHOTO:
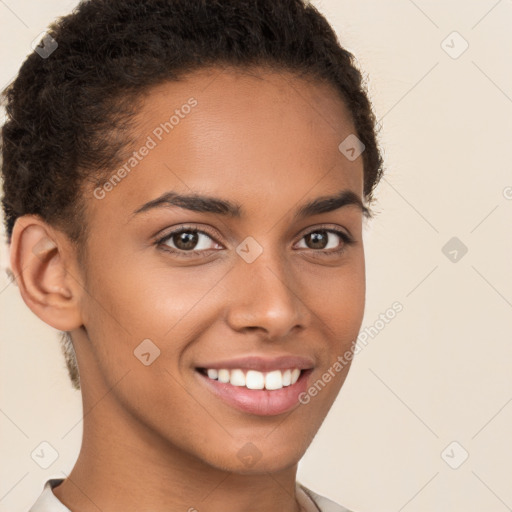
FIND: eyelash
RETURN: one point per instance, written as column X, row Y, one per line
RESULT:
column 347, row 241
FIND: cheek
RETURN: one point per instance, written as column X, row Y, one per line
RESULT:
column 344, row 306
column 337, row 296
column 133, row 299
column 140, row 296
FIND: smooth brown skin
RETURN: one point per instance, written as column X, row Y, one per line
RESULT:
column 153, row 438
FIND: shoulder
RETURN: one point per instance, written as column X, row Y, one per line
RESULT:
column 47, row 501
column 324, row 504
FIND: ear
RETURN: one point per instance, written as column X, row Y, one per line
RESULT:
column 45, row 268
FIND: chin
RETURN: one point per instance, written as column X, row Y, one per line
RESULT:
column 258, row 458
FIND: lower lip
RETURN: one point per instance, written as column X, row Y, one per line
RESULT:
column 262, row 402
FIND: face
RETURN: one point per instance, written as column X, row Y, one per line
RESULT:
column 244, row 282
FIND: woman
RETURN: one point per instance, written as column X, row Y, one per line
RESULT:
column 184, row 189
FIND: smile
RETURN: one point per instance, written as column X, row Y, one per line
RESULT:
column 251, row 391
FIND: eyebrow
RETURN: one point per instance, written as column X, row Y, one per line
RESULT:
column 208, row 204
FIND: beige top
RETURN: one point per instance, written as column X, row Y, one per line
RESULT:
column 310, row 501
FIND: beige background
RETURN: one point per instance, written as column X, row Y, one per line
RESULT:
column 440, row 371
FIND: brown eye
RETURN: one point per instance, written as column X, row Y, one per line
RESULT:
column 317, row 239
column 188, row 241
column 326, row 242
column 185, row 240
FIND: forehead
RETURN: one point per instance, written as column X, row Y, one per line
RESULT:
column 249, row 135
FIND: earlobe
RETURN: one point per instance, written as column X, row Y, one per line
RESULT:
column 40, row 264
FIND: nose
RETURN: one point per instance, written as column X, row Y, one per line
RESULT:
column 264, row 296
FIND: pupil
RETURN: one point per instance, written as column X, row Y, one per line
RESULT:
column 316, row 237
column 186, row 240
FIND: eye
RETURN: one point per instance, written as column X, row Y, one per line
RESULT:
column 187, row 241
column 326, row 241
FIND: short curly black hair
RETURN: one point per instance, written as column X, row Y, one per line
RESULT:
column 68, row 112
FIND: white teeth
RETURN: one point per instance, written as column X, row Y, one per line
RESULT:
column 213, row 373
column 237, row 378
column 274, row 380
column 253, row 379
column 295, row 375
column 223, row 376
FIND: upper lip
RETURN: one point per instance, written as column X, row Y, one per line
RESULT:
column 262, row 364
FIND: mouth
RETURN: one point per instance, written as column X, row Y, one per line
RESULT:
column 262, row 393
